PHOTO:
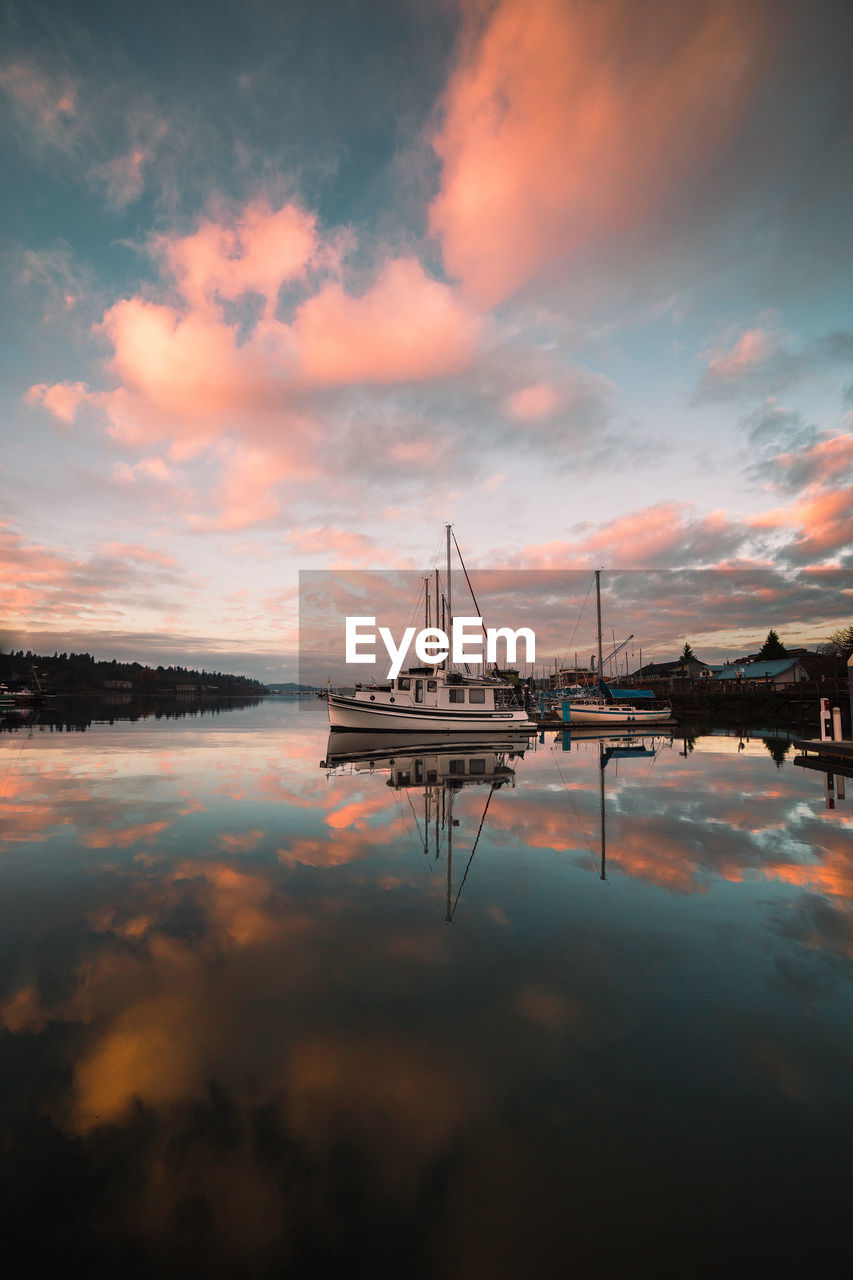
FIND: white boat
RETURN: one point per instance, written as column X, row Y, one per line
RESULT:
column 430, row 698
column 602, row 708
column 427, row 698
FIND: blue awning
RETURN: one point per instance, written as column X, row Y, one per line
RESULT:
column 617, row 692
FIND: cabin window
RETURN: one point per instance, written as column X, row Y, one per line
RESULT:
column 432, row 686
column 404, row 778
column 457, row 695
column 404, row 683
column 476, row 766
column 432, row 775
column 476, row 695
column 419, row 691
column 457, row 766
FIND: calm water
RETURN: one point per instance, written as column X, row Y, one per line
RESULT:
column 242, row 1037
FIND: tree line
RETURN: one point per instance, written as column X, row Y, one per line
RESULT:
column 82, row 673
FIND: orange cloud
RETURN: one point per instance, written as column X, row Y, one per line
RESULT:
column 660, row 533
column 201, row 368
column 754, row 347
column 564, row 124
column 62, row 399
column 534, row 401
column 406, row 327
column 255, row 252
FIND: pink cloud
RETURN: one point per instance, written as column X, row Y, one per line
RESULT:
column 153, row 468
column 348, row 548
column 45, row 582
column 255, row 252
column 534, row 401
column 406, row 327
column 564, row 124
column 752, row 347
column 248, row 492
column 667, row 533
column 62, row 399
column 136, row 551
column 47, row 105
column 823, row 462
column 123, row 176
column 195, row 372
column 821, row 517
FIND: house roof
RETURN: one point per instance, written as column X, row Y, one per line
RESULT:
column 668, row 668
column 763, row 668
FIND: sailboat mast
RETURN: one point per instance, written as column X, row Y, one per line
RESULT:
column 598, row 615
column 449, row 588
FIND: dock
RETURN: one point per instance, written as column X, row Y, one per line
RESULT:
column 833, row 756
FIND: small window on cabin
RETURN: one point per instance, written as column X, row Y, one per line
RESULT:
column 404, row 778
column 404, row 684
column 476, row 695
column 457, row 766
column 432, row 685
column 432, row 775
column 457, row 695
column 476, row 766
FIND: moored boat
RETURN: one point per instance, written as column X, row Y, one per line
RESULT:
column 603, row 708
column 434, row 698
column 427, row 698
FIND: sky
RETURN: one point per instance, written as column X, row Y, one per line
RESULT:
column 291, row 285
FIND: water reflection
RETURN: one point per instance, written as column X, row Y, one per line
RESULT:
column 439, row 765
column 239, row 1038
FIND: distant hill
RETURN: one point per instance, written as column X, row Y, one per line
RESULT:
column 290, row 687
column 81, row 673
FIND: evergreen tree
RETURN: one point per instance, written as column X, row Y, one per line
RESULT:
column 772, row 647
column 687, row 654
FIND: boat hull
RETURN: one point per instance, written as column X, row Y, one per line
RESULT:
column 575, row 713
column 351, row 713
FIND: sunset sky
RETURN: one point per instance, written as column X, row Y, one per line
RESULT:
column 290, row 285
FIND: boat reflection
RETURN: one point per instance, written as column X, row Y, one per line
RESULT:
column 440, row 765
column 428, row 759
column 628, row 741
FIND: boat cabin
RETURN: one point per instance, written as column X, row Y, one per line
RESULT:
column 428, row 687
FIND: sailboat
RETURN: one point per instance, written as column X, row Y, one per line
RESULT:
column 603, row 709
column 431, row 698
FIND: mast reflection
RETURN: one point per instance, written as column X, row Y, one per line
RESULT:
column 440, row 765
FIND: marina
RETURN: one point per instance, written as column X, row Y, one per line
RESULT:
column 426, row 997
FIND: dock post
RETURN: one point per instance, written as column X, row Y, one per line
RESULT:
column 837, row 735
column 850, row 689
column 829, row 790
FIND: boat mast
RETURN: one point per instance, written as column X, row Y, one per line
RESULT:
column 449, row 589
column 598, row 615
